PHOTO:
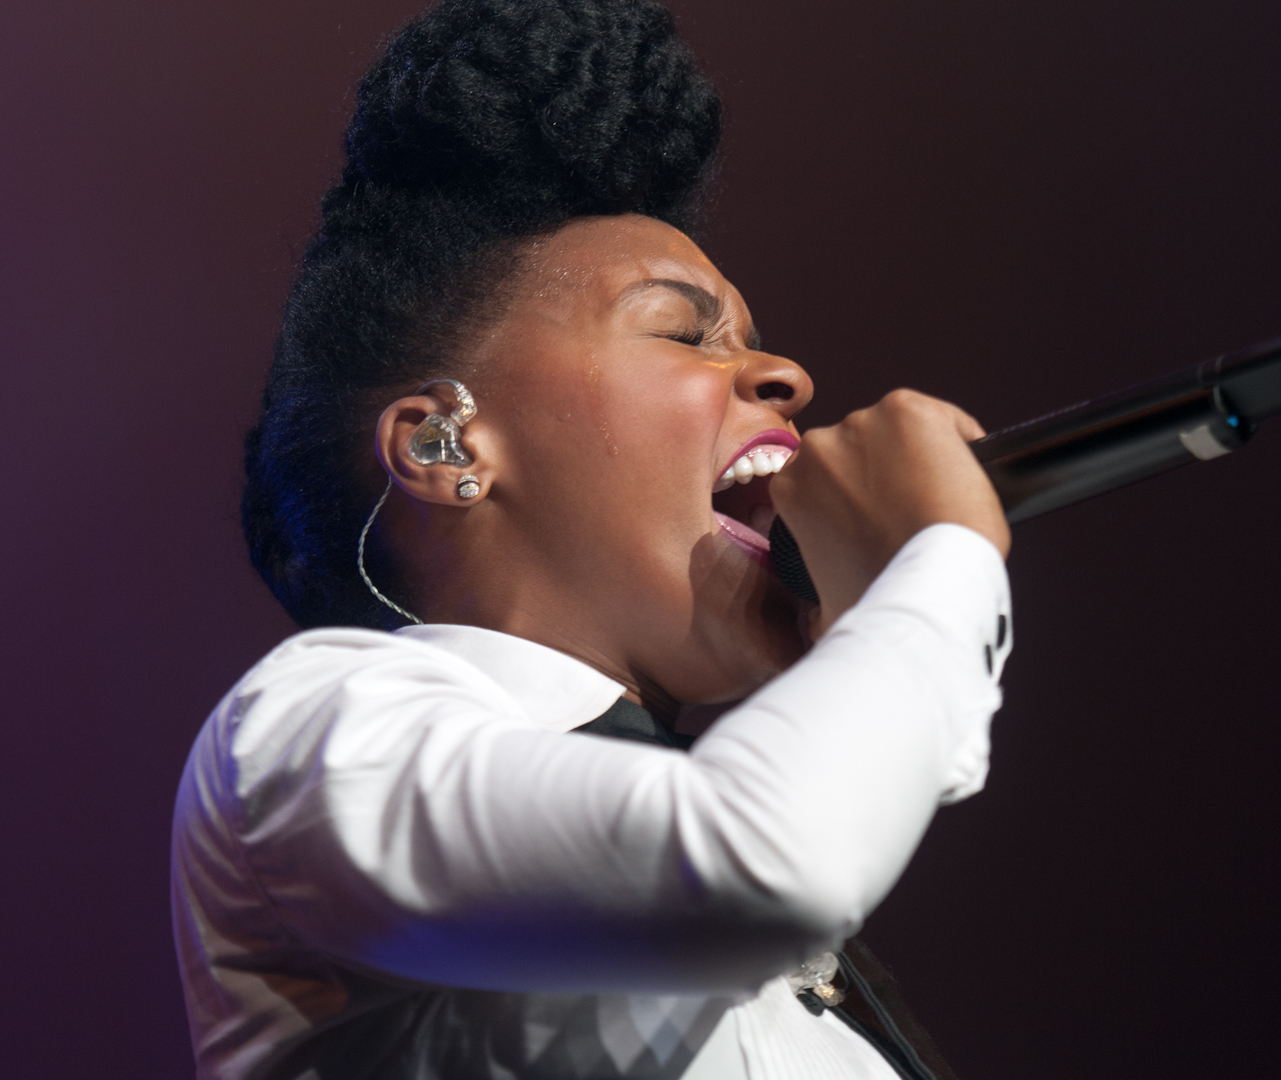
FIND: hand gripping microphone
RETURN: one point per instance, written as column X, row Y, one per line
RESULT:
column 1076, row 453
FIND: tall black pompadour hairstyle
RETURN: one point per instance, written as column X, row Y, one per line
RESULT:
column 484, row 123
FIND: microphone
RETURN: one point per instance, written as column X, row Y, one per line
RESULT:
column 1065, row 457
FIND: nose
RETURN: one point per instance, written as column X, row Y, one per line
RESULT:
column 774, row 381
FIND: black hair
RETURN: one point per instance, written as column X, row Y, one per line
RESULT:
column 483, row 123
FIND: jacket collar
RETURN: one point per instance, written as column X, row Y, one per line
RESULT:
column 556, row 691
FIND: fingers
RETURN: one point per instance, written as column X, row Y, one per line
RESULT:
column 856, row 492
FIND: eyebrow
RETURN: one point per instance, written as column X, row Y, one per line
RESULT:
column 706, row 306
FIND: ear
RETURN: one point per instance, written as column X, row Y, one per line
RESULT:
column 430, row 483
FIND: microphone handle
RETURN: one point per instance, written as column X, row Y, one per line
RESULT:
column 1065, row 457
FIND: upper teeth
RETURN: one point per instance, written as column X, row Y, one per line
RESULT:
column 759, row 462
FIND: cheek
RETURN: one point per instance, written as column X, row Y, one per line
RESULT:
column 669, row 416
column 624, row 437
column 547, row 408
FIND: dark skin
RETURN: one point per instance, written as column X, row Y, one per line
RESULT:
column 621, row 381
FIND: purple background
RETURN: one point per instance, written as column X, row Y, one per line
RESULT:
column 1014, row 205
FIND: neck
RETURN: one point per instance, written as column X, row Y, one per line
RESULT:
column 457, row 579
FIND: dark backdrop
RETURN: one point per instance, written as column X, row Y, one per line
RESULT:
column 1014, row 205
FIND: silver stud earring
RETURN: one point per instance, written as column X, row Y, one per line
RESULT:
column 468, row 486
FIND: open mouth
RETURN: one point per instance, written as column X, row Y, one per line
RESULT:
column 741, row 497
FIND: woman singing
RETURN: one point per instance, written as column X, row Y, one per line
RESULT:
column 519, row 450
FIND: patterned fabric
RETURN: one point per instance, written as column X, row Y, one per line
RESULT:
column 448, row 1033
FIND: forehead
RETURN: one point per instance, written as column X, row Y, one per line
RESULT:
column 596, row 259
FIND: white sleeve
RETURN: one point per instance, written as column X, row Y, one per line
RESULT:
column 403, row 815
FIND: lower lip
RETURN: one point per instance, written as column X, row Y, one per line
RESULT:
column 748, row 539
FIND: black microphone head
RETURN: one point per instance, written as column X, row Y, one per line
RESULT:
column 788, row 564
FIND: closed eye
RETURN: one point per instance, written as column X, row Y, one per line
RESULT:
column 695, row 336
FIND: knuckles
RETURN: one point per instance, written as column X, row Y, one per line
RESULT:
column 911, row 406
column 902, row 411
column 902, row 417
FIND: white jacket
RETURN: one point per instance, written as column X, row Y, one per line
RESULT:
column 393, row 839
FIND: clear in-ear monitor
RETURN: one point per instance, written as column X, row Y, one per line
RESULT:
column 435, row 442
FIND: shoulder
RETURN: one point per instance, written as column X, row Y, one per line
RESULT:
column 319, row 690
column 338, row 669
